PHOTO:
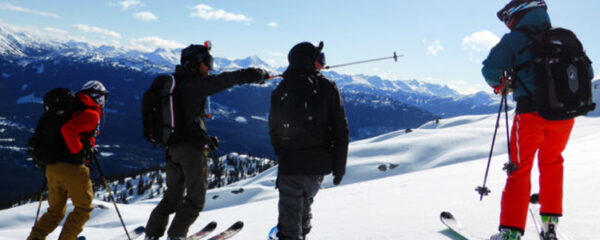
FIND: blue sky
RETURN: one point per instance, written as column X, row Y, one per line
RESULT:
column 443, row 41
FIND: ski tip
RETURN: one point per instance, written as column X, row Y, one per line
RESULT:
column 140, row 229
column 212, row 225
column 446, row 215
column 238, row 224
column 535, row 198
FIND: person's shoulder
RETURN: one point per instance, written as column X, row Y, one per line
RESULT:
column 326, row 82
column 89, row 113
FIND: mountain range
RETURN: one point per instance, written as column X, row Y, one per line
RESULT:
column 31, row 64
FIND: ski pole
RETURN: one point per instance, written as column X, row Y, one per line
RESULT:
column 275, row 76
column 110, row 195
column 395, row 57
column 483, row 190
column 510, row 167
column 41, row 199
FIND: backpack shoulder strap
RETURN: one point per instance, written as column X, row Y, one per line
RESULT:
column 533, row 36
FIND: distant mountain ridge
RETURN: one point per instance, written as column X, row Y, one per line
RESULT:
column 30, row 65
column 27, row 48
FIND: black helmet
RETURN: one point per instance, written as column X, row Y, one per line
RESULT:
column 198, row 53
column 304, row 54
column 518, row 8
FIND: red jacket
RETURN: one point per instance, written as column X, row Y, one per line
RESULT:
column 82, row 123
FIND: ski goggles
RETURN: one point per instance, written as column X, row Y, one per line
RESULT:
column 208, row 60
column 101, row 97
column 510, row 10
column 321, row 58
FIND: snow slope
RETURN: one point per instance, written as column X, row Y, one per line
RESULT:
column 438, row 168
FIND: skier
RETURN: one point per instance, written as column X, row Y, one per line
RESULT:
column 530, row 132
column 70, row 178
column 187, row 167
column 309, row 133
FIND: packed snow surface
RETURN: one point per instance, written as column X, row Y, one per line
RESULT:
column 395, row 187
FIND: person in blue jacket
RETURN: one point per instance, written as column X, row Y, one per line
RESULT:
column 530, row 132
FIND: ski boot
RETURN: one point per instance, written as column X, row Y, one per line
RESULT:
column 506, row 234
column 549, row 224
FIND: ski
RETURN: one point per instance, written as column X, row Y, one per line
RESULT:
column 230, row 232
column 534, row 210
column 273, row 233
column 536, row 218
column 210, row 227
column 134, row 234
column 455, row 226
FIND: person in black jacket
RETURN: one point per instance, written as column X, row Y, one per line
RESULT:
column 309, row 133
column 187, row 167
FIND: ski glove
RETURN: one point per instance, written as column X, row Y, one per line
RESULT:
column 337, row 179
column 505, row 86
column 214, row 143
column 258, row 75
column 85, row 155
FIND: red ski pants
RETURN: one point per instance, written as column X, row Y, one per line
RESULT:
column 530, row 134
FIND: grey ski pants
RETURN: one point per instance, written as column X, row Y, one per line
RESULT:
column 187, row 171
column 296, row 195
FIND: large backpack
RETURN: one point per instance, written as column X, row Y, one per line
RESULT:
column 562, row 74
column 298, row 114
column 47, row 144
column 158, row 110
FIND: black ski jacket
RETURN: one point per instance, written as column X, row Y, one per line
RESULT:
column 328, row 150
column 190, row 100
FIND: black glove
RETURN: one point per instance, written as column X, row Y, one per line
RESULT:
column 83, row 155
column 214, row 143
column 257, row 75
column 337, row 179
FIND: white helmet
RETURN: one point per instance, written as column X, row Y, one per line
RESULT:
column 96, row 90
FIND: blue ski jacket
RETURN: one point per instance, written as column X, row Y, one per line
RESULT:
column 505, row 55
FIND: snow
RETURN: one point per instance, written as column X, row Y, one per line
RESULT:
column 30, row 98
column 434, row 168
column 40, row 69
column 241, row 119
column 259, row 118
column 596, row 97
column 106, row 154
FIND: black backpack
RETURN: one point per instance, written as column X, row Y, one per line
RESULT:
column 298, row 114
column 562, row 74
column 158, row 110
column 47, row 144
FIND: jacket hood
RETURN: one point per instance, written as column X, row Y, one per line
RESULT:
column 537, row 18
column 88, row 101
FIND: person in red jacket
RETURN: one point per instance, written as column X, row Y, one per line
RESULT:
column 71, row 178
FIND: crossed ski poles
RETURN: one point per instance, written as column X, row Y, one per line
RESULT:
column 395, row 57
column 510, row 167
